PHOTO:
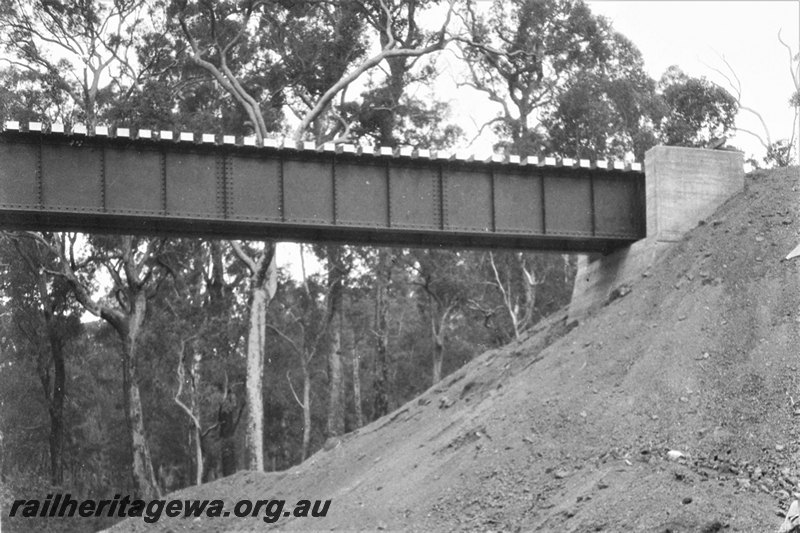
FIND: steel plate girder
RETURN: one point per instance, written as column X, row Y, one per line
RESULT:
column 60, row 182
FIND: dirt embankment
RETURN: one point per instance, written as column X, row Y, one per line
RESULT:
column 569, row 429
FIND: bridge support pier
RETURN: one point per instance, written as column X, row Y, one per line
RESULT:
column 683, row 186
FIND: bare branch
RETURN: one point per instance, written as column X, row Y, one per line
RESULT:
column 766, row 145
column 388, row 52
column 243, row 257
column 737, row 88
column 220, row 76
column 484, row 126
column 180, row 403
column 794, row 73
column 291, row 387
column 288, row 339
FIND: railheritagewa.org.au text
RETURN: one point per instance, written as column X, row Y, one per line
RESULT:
column 63, row 505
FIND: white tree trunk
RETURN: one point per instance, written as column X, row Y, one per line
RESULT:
column 144, row 475
column 255, row 382
column 306, row 412
column 264, row 284
column 357, row 388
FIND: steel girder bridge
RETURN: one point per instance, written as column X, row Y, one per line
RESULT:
column 147, row 182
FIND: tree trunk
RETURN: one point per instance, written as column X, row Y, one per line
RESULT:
column 306, row 412
column 357, row 388
column 438, row 353
column 335, row 422
column 144, row 477
column 381, row 383
column 56, row 410
column 55, row 395
column 264, row 284
column 228, row 418
column 143, row 474
column 55, row 406
column 56, row 447
column 196, row 435
column 530, row 283
column 255, row 383
column 438, row 328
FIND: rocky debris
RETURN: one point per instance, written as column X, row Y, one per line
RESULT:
column 466, row 438
column 445, row 402
column 772, row 477
column 560, row 473
column 619, row 292
column 674, row 455
column 331, row 443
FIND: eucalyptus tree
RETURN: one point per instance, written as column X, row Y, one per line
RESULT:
column 443, row 291
column 316, row 50
column 301, row 321
column 523, row 53
column 697, row 110
column 47, row 319
column 86, row 57
column 610, row 111
column 198, row 321
column 86, row 50
column 132, row 266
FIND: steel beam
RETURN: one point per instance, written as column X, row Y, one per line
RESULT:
column 101, row 183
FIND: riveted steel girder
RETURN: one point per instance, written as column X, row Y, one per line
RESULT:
column 57, row 181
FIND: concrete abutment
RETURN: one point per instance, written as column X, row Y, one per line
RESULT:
column 683, row 187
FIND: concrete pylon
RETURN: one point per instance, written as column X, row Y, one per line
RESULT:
column 683, row 187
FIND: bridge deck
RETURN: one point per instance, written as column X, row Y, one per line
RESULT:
column 57, row 181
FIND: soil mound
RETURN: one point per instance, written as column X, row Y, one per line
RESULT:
column 570, row 429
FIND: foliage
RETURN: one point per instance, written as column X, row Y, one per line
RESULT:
column 24, row 97
column 82, row 50
column 409, row 121
column 610, row 111
column 779, row 154
column 698, row 109
column 524, row 54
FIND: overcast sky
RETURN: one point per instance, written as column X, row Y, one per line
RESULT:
column 693, row 34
